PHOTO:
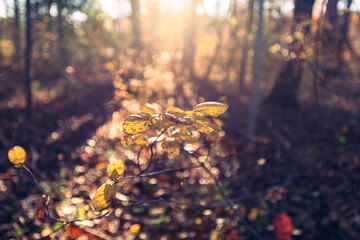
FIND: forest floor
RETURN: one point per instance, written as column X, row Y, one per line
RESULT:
column 304, row 163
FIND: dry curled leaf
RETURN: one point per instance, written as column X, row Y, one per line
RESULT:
column 103, row 196
column 115, row 169
column 212, row 109
column 17, row 155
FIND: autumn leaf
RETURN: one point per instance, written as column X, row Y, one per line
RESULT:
column 147, row 108
column 126, row 140
column 134, row 228
column 283, row 226
column 160, row 122
column 212, row 109
column 205, row 125
column 41, row 207
column 103, row 196
column 174, row 114
column 115, row 169
column 171, row 146
column 136, row 123
column 254, row 213
column 140, row 140
column 17, row 155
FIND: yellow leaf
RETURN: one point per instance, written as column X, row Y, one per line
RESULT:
column 171, row 146
column 140, row 140
column 160, row 122
column 134, row 228
column 147, row 108
column 115, row 169
column 205, row 125
column 103, row 196
column 174, row 114
column 136, row 123
column 126, row 140
column 184, row 134
column 254, row 213
column 179, row 116
column 213, row 109
column 214, row 235
column 17, row 155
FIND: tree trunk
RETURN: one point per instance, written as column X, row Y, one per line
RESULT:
column 286, row 87
column 345, row 25
column 256, row 69
column 135, row 11
column 189, row 35
column 27, row 79
column 17, row 42
column 60, row 36
column 245, row 49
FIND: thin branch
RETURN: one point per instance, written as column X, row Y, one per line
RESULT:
column 152, row 152
column 34, row 178
column 156, row 173
column 135, row 203
column 137, row 159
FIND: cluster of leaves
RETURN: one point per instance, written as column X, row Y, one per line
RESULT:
column 106, row 192
column 201, row 119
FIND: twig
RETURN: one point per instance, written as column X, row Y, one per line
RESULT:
column 152, row 152
column 177, row 203
column 137, row 159
column 156, row 173
column 34, row 178
column 48, row 212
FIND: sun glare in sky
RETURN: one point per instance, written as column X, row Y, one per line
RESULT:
column 114, row 8
column 122, row 8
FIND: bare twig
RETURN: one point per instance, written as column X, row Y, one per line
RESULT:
column 152, row 152
column 34, row 178
column 165, row 201
column 156, row 173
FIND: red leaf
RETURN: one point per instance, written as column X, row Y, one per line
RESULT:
column 41, row 207
column 283, row 226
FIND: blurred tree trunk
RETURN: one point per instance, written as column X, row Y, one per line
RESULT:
column 154, row 18
column 189, row 35
column 245, row 48
column 27, row 79
column 17, row 42
column 286, row 87
column 60, row 36
column 256, row 69
column 48, row 15
column 135, row 19
column 345, row 25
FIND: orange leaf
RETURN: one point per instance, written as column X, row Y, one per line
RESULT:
column 283, row 226
column 134, row 228
column 17, row 155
